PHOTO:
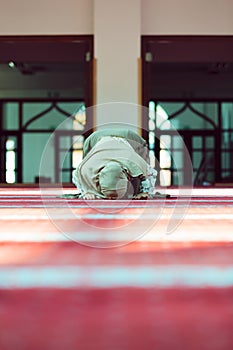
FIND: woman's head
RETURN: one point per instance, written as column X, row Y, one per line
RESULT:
column 113, row 181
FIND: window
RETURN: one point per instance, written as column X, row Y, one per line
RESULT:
column 10, row 161
column 158, row 119
column 77, row 145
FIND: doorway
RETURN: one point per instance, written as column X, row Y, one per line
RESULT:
column 191, row 79
column 43, row 80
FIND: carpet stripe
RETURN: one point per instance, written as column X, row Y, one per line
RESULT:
column 112, row 277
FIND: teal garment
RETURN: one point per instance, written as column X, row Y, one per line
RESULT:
column 136, row 141
column 115, row 161
column 109, row 165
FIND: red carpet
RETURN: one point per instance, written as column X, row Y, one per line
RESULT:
column 163, row 291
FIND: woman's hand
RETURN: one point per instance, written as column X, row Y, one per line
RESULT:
column 90, row 196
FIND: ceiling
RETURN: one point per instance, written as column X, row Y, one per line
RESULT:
column 189, row 66
column 200, row 68
column 192, row 80
column 42, row 78
column 41, row 69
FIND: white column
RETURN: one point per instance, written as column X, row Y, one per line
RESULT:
column 117, row 30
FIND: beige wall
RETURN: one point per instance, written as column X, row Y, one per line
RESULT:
column 117, row 48
column 28, row 17
column 207, row 17
column 77, row 17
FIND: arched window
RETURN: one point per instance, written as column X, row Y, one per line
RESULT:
column 158, row 119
